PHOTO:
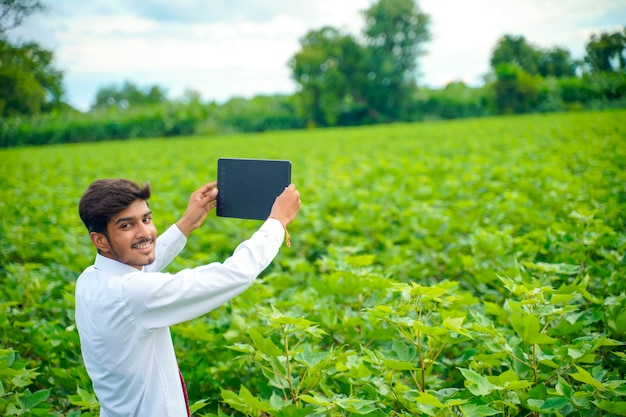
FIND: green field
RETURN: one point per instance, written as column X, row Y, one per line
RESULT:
column 474, row 267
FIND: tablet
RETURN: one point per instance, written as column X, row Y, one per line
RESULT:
column 249, row 187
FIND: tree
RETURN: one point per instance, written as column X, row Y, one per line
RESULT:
column 396, row 31
column 330, row 69
column 606, row 52
column 455, row 100
column 515, row 50
column 516, row 91
column 258, row 114
column 557, row 63
column 344, row 82
column 127, row 95
column 13, row 12
column 29, row 83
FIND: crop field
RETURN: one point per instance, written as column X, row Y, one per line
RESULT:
column 465, row 268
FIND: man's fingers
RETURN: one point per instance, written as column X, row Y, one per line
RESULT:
column 209, row 198
column 207, row 192
column 212, row 194
column 206, row 188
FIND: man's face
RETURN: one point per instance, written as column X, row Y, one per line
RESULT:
column 132, row 236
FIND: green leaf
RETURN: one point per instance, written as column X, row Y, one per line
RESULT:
column 256, row 403
column 456, row 325
column 316, row 400
column 585, row 377
column 361, row 260
column 264, row 345
column 198, row 405
column 562, row 298
column 245, row 401
column 310, row 358
column 476, row 383
column 473, row 410
column 561, row 268
column 617, row 386
column 511, row 381
column 606, row 341
column 535, row 404
column 357, row 406
column 577, row 399
column 294, row 411
column 527, row 327
column 507, row 376
column 615, row 407
column 543, row 339
column 242, row 348
column 12, row 410
column 518, row 385
column 399, row 365
column 429, row 399
column 552, row 404
column 297, row 322
column 37, row 397
column 23, row 378
column 84, row 399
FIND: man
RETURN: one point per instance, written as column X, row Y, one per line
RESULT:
column 125, row 305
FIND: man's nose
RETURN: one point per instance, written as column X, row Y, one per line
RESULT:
column 144, row 229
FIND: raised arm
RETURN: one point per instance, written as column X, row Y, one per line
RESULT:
column 162, row 300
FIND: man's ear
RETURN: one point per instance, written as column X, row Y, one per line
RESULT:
column 100, row 241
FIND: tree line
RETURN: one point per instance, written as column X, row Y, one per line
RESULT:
column 342, row 81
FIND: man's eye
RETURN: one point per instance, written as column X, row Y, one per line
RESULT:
column 147, row 220
column 125, row 226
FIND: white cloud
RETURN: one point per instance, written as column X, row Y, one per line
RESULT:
column 177, row 46
column 242, row 47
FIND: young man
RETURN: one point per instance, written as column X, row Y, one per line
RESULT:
column 125, row 305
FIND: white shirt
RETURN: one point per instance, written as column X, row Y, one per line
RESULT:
column 123, row 314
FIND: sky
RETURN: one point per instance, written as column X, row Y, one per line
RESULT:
column 240, row 48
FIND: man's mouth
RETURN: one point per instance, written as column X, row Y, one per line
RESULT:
column 144, row 244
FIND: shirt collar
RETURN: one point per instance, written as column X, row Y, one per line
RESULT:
column 112, row 266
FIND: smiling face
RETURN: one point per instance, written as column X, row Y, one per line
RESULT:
column 131, row 236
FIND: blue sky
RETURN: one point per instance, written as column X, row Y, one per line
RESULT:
column 224, row 49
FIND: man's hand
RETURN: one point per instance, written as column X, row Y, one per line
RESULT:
column 286, row 205
column 201, row 202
